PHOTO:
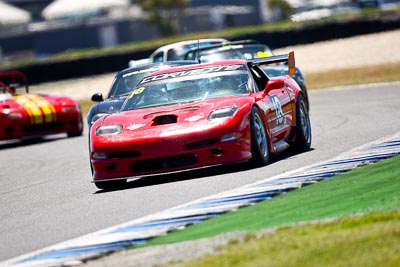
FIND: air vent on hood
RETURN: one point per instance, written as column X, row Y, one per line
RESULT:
column 165, row 119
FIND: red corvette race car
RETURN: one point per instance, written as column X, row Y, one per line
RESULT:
column 32, row 115
column 200, row 115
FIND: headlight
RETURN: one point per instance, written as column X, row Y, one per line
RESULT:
column 14, row 115
column 99, row 155
column 96, row 117
column 222, row 113
column 109, row 129
column 67, row 109
column 230, row 137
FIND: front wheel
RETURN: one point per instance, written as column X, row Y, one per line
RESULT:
column 77, row 132
column 259, row 139
column 74, row 134
column 303, row 127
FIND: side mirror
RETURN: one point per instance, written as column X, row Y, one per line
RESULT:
column 274, row 84
column 97, row 97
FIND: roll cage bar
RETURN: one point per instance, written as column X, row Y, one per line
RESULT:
column 10, row 80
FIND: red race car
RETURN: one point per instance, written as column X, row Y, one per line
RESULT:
column 200, row 115
column 32, row 115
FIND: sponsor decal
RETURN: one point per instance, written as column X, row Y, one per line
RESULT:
column 135, row 126
column 194, row 118
column 136, row 92
column 40, row 110
column 190, row 72
column 140, row 71
column 278, row 109
column 262, row 54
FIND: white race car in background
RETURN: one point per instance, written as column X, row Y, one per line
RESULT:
column 175, row 51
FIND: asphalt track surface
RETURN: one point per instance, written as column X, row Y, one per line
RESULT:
column 47, row 197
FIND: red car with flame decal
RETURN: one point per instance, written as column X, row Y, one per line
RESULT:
column 201, row 115
column 32, row 115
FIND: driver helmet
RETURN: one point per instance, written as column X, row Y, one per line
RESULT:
column 12, row 89
column 239, row 82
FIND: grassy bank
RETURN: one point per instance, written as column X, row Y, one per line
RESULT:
column 366, row 231
column 368, row 240
column 360, row 75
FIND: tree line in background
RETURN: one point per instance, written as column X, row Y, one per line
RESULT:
column 165, row 13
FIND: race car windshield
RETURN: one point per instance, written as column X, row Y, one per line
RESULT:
column 124, row 84
column 220, row 55
column 188, row 89
column 255, row 51
column 236, row 52
column 178, row 53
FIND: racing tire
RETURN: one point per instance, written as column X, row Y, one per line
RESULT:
column 90, row 157
column 111, row 185
column 259, row 139
column 80, row 131
column 304, row 89
column 303, row 137
column 74, row 134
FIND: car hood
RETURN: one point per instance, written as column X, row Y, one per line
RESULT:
column 108, row 106
column 36, row 100
column 178, row 117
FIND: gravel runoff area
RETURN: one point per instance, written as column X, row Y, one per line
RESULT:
column 371, row 49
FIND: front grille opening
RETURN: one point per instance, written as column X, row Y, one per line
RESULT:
column 124, row 154
column 43, row 127
column 166, row 163
column 73, row 122
column 8, row 132
column 111, row 167
column 202, row 143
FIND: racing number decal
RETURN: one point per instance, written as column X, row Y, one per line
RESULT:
column 136, row 92
column 276, row 102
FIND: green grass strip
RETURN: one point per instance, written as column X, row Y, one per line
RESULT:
column 369, row 240
column 374, row 187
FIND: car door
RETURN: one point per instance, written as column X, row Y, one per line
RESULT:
column 278, row 98
column 281, row 121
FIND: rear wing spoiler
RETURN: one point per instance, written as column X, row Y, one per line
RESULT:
column 286, row 58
